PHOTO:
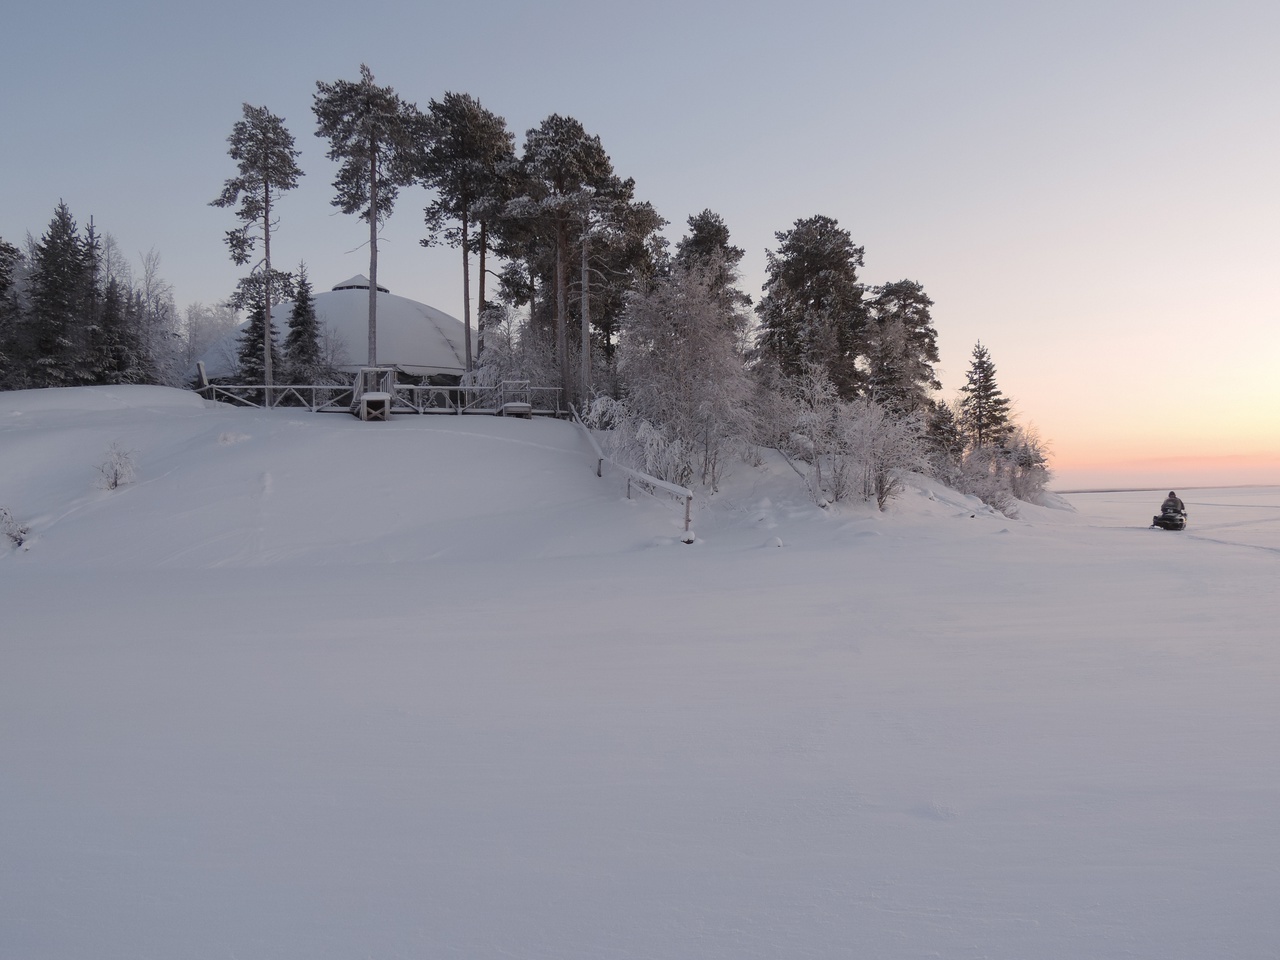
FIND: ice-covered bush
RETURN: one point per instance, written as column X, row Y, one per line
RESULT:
column 15, row 532
column 117, row 469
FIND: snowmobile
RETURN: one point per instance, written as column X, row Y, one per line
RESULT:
column 1170, row 520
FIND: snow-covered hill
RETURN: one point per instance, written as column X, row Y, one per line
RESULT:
column 310, row 687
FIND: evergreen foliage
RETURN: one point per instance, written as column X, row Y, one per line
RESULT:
column 468, row 161
column 303, row 353
column 63, row 271
column 377, row 139
column 812, row 311
column 71, row 314
column 10, row 313
column 252, row 346
column 902, row 347
column 984, row 410
column 264, row 150
column 562, row 167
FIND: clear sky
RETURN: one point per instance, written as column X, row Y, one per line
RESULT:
column 1091, row 189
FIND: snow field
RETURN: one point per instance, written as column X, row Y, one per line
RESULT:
column 317, row 688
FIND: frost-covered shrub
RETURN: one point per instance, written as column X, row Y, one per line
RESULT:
column 884, row 446
column 855, row 449
column 15, row 532
column 1027, row 467
column 1000, row 476
column 118, row 469
column 514, row 349
column 636, row 442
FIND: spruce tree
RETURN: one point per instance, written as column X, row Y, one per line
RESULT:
column 10, row 328
column 61, row 278
column 252, row 346
column 812, row 310
column 118, row 342
column 378, row 140
column 303, row 356
column 984, row 410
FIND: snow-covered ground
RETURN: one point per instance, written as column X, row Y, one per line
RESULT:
column 316, row 688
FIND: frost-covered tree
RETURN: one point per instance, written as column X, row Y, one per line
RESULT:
column 883, row 446
column 264, row 150
column 204, row 327
column 468, row 161
column 707, row 243
column 812, row 310
column 681, row 373
column 157, row 327
column 984, row 410
column 378, row 140
column 902, row 347
column 1026, row 462
column 856, row 447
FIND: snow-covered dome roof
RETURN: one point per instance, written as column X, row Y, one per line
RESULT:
column 417, row 338
column 359, row 282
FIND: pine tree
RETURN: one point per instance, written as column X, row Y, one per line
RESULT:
column 468, row 158
column 984, row 410
column 812, row 310
column 302, row 349
column 707, row 244
column 902, row 348
column 378, row 140
column 267, row 159
column 562, row 164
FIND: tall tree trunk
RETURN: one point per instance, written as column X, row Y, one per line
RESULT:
column 373, row 252
column 266, row 292
column 586, row 316
column 562, row 320
column 480, row 304
column 466, row 288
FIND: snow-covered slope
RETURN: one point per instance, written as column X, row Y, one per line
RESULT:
column 311, row 687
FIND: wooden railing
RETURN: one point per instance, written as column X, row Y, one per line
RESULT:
column 407, row 398
column 650, row 484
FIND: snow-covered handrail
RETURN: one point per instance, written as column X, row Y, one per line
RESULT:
column 680, row 493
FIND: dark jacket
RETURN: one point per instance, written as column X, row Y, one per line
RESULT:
column 1173, row 505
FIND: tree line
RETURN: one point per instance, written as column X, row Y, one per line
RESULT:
column 74, row 311
column 578, row 287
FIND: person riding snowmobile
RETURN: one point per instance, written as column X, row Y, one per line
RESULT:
column 1173, row 514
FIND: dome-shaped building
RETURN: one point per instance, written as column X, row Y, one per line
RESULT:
column 416, row 338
